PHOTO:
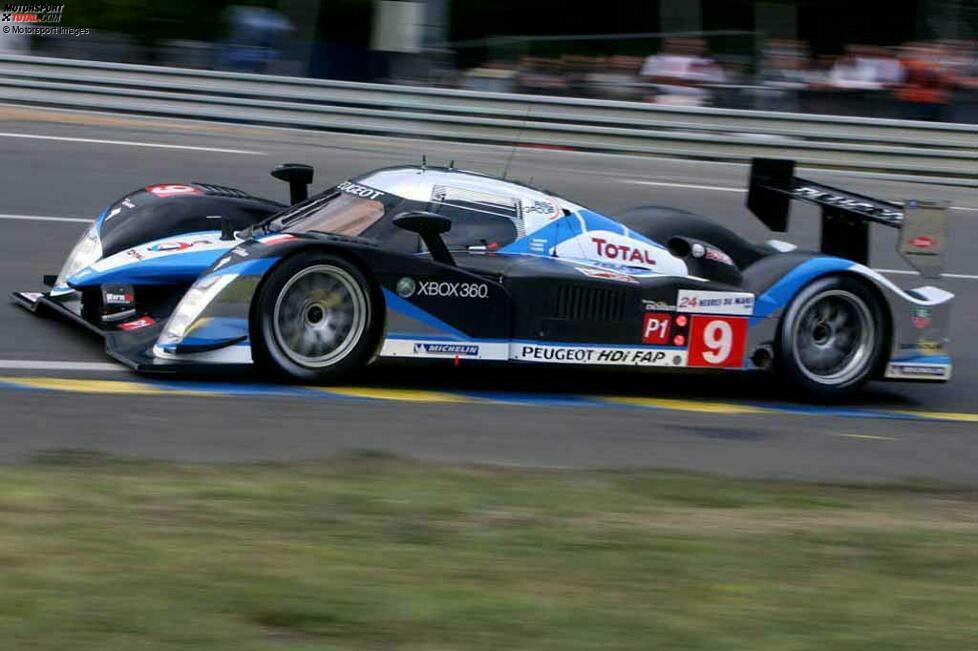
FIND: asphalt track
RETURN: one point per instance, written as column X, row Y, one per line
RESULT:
column 57, row 390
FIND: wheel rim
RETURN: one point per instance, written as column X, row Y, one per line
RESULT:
column 834, row 337
column 320, row 315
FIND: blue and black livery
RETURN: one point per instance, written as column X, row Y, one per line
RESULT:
column 436, row 263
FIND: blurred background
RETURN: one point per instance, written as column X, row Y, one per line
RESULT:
column 460, row 507
column 913, row 59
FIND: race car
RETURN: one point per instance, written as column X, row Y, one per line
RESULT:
column 437, row 263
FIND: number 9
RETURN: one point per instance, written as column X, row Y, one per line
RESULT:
column 718, row 337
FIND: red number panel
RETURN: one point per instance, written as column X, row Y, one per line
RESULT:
column 717, row 341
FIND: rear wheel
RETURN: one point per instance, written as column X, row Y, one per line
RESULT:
column 831, row 337
column 314, row 319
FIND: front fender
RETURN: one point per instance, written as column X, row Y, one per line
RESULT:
column 214, row 313
column 172, row 261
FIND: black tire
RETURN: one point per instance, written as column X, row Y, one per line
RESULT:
column 295, row 330
column 831, row 337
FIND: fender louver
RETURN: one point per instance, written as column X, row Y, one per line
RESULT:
column 221, row 190
column 584, row 303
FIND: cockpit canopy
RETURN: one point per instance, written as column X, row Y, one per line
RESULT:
column 486, row 213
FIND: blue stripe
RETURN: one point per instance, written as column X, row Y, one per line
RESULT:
column 557, row 231
column 213, row 329
column 176, row 267
column 398, row 304
column 922, row 359
column 101, row 219
column 781, row 292
column 568, row 227
column 166, row 270
column 596, row 222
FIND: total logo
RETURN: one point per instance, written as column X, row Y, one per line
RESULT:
column 623, row 250
column 628, row 254
column 163, row 247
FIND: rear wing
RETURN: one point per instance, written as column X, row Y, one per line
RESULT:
column 846, row 216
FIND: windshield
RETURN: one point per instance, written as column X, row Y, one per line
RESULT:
column 338, row 213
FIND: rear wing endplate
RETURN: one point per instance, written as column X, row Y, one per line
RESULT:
column 846, row 216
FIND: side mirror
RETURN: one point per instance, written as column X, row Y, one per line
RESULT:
column 430, row 227
column 298, row 176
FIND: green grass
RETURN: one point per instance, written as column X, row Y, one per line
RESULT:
column 370, row 552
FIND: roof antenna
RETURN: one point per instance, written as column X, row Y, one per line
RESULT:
column 519, row 139
column 424, row 162
column 451, row 164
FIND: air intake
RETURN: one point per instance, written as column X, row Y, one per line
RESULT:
column 582, row 303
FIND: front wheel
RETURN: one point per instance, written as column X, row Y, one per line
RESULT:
column 314, row 319
column 831, row 337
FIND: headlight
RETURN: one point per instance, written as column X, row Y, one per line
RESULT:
column 192, row 304
column 86, row 253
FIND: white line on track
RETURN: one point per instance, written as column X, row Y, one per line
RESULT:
column 41, row 218
column 720, row 188
column 690, row 186
column 38, row 365
column 126, row 143
column 907, row 272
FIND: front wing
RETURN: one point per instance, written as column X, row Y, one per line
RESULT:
column 131, row 346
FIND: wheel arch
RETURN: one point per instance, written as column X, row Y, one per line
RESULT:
column 886, row 309
column 351, row 256
column 873, row 288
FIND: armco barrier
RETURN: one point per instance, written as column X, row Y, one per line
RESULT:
column 909, row 147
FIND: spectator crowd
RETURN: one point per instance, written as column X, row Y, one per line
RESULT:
column 919, row 80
